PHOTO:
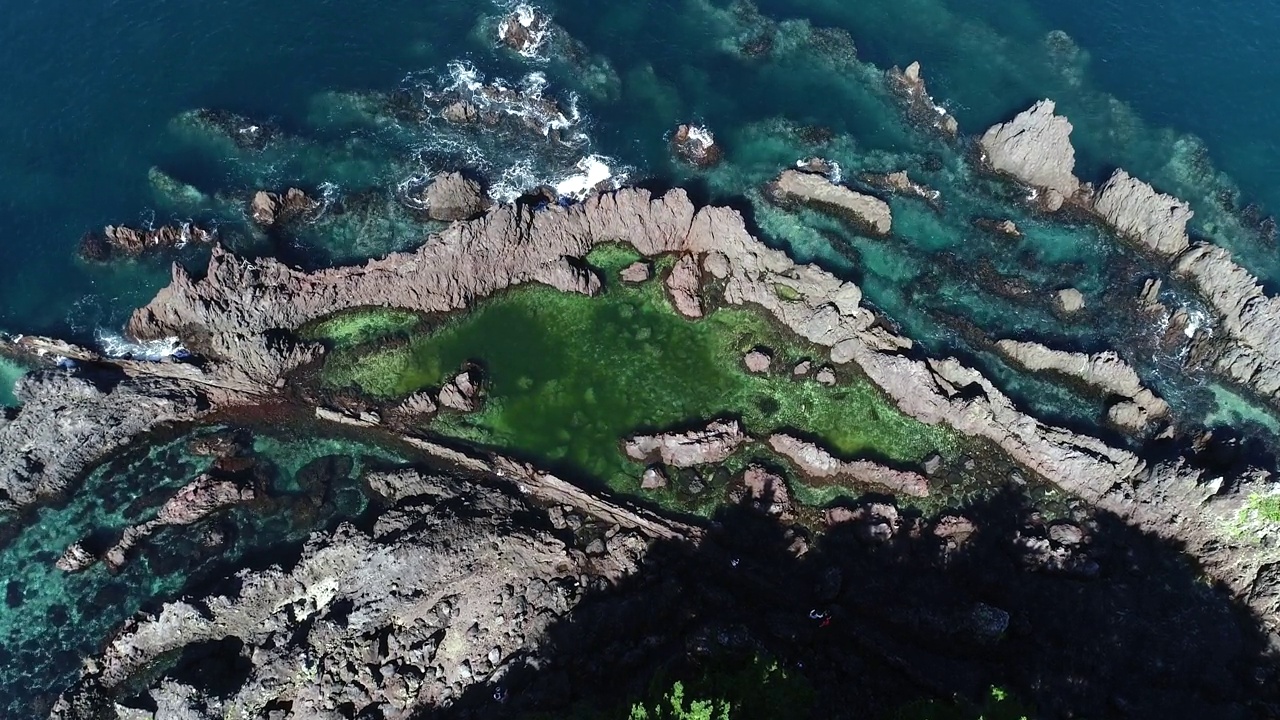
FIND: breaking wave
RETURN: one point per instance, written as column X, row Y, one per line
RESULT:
column 115, row 345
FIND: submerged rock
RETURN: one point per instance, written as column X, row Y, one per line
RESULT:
column 453, row 196
column 816, row 190
column 900, row 183
column 696, row 145
column 705, row 446
column 1035, row 148
column 119, row 240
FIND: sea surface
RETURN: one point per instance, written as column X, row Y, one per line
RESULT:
column 92, row 132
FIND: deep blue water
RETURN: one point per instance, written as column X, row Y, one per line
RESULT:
column 88, row 108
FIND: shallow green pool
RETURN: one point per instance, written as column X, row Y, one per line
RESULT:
column 569, row 376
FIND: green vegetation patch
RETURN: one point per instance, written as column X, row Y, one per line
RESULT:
column 569, row 376
column 363, row 325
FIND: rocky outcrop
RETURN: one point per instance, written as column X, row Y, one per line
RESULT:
column 1151, row 220
column 462, row 393
column 1133, row 408
column 819, row 192
column 121, row 241
column 227, row 315
column 453, row 196
column 1035, row 148
column 524, row 30
column 1069, row 301
column 402, row 616
column 899, row 183
column 68, row 423
column 711, row 444
column 683, row 285
column 921, row 108
column 818, row 464
column 765, row 491
column 697, row 146
column 270, row 209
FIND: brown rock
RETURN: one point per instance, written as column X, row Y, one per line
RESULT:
column 462, row 393
column 921, row 108
column 697, row 146
column 461, row 112
column 802, row 368
column 712, row 444
column 758, row 360
column 826, row 376
column 636, row 272
column 75, row 559
column 127, row 242
column 816, row 462
column 767, row 491
column 269, row 209
column 1035, row 148
column 684, row 284
column 452, row 196
column 1138, row 213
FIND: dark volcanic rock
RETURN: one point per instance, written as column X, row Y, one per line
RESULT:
column 921, row 108
column 68, row 423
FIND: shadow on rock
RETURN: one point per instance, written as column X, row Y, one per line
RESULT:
column 1091, row 619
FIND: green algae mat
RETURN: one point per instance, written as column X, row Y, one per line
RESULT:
column 569, row 376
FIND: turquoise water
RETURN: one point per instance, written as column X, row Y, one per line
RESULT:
column 93, row 131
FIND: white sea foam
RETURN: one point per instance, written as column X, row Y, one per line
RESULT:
column 701, row 135
column 534, row 21
column 116, row 345
column 593, row 170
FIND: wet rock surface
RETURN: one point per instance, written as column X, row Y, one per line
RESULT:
column 909, row 84
column 270, row 209
column 815, row 462
column 697, row 146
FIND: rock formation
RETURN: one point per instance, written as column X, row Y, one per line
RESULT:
column 234, row 316
column 453, row 196
column 1069, row 301
column 118, row 240
column 1035, row 148
column 819, row 192
column 921, row 108
column 1104, row 372
column 758, row 360
column 636, row 272
column 705, row 446
column 1153, row 221
column 269, row 209
column 816, row 463
column 524, row 30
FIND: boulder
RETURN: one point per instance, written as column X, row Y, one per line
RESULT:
column 462, row 393
column 684, row 285
column 1069, row 301
column 819, row 192
column 1035, row 148
column 452, row 196
column 766, row 491
column 269, row 209
column 826, row 376
column 758, row 360
column 636, row 272
column 654, row 478
column 461, row 112
column 802, row 368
